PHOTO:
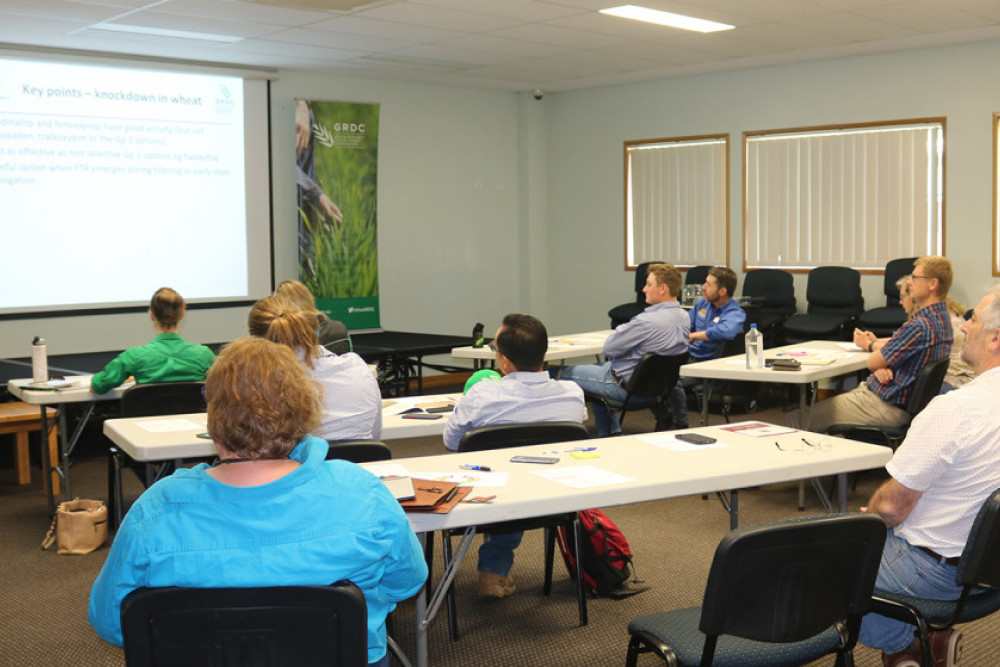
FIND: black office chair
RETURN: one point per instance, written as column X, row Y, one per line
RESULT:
column 784, row 593
column 626, row 311
column 502, row 436
column 925, row 387
column 234, row 627
column 653, row 379
column 772, row 301
column 151, row 399
column 978, row 572
column 358, row 451
column 835, row 301
column 729, row 392
column 884, row 321
column 696, row 275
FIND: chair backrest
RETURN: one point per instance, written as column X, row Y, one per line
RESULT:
column 790, row 580
column 980, row 561
column 894, row 270
column 834, row 290
column 696, row 275
column 501, row 436
column 358, row 451
column 163, row 398
column 773, row 288
column 655, row 375
column 284, row 625
column 641, row 273
column 927, row 385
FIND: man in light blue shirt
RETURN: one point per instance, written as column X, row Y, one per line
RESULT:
column 663, row 329
column 715, row 318
column 525, row 394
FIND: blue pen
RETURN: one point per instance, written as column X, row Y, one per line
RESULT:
column 466, row 466
column 583, row 449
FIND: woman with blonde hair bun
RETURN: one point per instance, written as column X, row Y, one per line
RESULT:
column 168, row 358
column 332, row 334
column 351, row 401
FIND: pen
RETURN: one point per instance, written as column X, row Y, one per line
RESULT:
column 466, row 466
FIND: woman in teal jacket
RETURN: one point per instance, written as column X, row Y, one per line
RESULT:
column 271, row 512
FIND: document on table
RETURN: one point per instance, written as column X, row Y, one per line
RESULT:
column 757, row 429
column 582, row 477
column 169, row 425
column 668, row 441
column 468, row 478
column 396, row 478
column 398, row 406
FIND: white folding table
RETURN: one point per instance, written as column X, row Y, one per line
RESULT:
column 561, row 348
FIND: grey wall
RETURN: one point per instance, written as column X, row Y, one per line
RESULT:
column 587, row 128
column 544, row 234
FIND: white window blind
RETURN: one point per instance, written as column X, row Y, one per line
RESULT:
column 676, row 201
column 856, row 197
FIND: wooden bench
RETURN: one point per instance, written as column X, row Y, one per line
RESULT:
column 21, row 419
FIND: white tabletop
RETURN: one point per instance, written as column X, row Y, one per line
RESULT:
column 585, row 344
column 734, row 368
column 176, row 436
column 77, row 390
column 654, row 472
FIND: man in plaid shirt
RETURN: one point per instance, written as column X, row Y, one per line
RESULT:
column 895, row 362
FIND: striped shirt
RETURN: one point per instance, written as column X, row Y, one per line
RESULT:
column 925, row 338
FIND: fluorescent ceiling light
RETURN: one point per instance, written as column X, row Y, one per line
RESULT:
column 665, row 18
column 161, row 32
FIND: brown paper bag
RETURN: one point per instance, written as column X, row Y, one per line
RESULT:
column 79, row 526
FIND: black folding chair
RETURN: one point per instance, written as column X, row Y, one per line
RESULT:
column 653, row 379
column 784, row 593
column 238, row 627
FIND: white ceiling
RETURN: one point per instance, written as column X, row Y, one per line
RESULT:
column 510, row 45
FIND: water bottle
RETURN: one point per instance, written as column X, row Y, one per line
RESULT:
column 477, row 335
column 755, row 348
column 39, row 360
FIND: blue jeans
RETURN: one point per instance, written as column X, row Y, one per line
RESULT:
column 677, row 400
column 596, row 380
column 907, row 570
column 496, row 554
column 384, row 662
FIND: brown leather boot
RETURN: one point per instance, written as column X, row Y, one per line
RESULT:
column 909, row 657
column 946, row 647
column 493, row 585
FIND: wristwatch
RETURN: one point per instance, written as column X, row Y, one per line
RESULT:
column 871, row 346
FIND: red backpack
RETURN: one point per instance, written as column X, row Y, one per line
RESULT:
column 607, row 558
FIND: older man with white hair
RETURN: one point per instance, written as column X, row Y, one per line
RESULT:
column 941, row 475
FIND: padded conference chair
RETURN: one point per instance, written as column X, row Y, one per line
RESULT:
column 772, row 301
column 801, row 586
column 502, row 436
column 626, row 311
column 834, row 297
column 237, row 627
column 884, row 321
column 978, row 572
column 730, row 392
column 696, row 275
column 925, row 388
column 151, row 399
column 653, row 379
column 358, row 451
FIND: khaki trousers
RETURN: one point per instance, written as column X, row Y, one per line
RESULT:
column 858, row 406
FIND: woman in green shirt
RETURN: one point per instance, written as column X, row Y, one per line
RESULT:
column 167, row 358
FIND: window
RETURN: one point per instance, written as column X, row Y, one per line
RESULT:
column 996, row 194
column 676, row 201
column 855, row 196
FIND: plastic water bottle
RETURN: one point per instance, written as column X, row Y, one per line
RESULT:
column 755, row 348
column 39, row 360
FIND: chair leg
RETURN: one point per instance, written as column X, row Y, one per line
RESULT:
column 446, row 553
column 632, row 657
column 429, row 559
column 116, row 504
column 581, row 590
column 550, row 544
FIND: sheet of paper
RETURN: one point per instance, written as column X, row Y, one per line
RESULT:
column 401, row 404
column 170, row 425
column 582, row 477
column 758, row 429
column 387, row 470
column 668, row 441
column 468, row 478
column 850, row 347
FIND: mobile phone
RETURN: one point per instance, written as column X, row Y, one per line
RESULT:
column 695, row 439
column 203, row 436
column 421, row 415
column 440, row 408
column 534, row 459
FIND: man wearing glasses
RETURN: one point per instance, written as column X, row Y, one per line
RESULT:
column 525, row 394
column 896, row 362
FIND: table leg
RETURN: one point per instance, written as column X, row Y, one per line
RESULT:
column 842, row 492
column 426, row 610
column 49, row 467
column 732, row 506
